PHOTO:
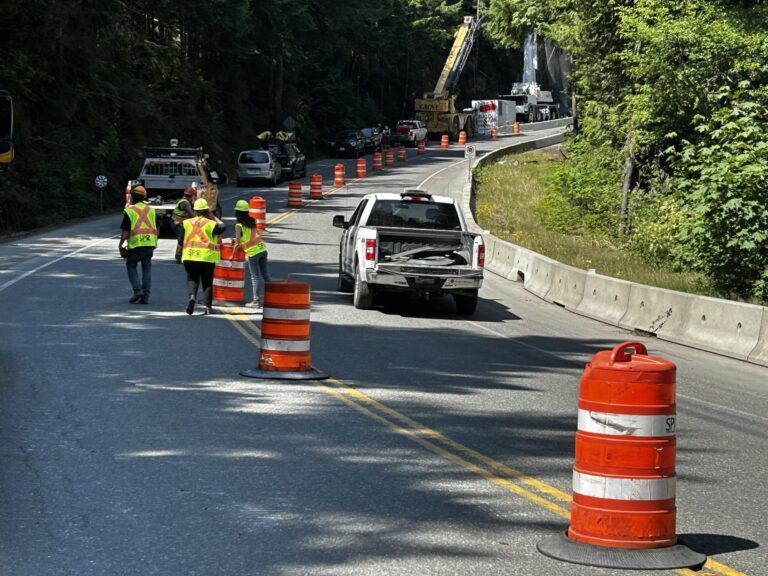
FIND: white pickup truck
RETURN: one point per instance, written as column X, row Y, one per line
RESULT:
column 409, row 132
column 411, row 242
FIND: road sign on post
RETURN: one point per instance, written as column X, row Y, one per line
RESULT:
column 470, row 151
column 101, row 183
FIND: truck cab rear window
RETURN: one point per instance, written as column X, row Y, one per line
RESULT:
column 172, row 168
column 405, row 214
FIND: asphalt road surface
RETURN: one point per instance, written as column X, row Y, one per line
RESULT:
column 130, row 445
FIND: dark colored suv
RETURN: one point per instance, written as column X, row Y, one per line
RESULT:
column 293, row 163
column 350, row 142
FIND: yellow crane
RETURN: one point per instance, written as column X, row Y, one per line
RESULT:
column 437, row 109
column 6, row 129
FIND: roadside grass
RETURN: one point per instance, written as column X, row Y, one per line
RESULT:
column 508, row 195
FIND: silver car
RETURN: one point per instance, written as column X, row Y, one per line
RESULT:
column 257, row 165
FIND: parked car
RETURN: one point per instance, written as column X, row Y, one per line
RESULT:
column 349, row 142
column 372, row 139
column 292, row 161
column 257, row 165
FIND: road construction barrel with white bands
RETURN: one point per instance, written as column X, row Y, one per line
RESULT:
column 316, row 187
column 624, row 470
column 257, row 209
column 339, row 174
column 285, row 327
column 389, row 158
column 294, row 194
column 401, row 154
column 422, row 147
column 229, row 275
column 377, row 163
column 362, row 167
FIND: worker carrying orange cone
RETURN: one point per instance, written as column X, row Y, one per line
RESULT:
column 252, row 243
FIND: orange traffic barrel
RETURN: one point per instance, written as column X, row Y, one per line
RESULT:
column 516, row 128
column 257, row 209
column 294, row 194
column 339, row 173
column 316, row 187
column 229, row 275
column 376, row 161
column 624, row 482
column 285, row 333
column 422, row 149
column 362, row 166
column 389, row 158
column 494, row 132
column 444, row 142
column 401, row 156
column 462, row 138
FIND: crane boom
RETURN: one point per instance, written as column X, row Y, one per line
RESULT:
column 463, row 41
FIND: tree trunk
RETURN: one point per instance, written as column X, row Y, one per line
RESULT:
column 279, row 77
column 629, row 178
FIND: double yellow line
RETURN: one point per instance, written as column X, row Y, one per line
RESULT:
column 540, row 493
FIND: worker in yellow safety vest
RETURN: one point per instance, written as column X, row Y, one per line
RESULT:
column 201, row 251
column 181, row 212
column 138, row 240
column 250, row 241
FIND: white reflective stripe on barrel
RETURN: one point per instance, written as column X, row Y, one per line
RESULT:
column 231, row 264
column 228, row 283
column 627, row 424
column 285, row 314
column 623, row 488
column 257, row 211
column 285, row 345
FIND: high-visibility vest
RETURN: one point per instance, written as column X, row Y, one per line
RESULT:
column 200, row 243
column 251, row 242
column 143, row 226
column 179, row 215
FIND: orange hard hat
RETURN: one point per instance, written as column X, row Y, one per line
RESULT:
column 139, row 190
column 190, row 191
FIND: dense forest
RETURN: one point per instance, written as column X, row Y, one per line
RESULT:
column 95, row 80
column 671, row 159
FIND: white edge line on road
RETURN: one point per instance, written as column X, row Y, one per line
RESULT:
column 13, row 281
column 428, row 178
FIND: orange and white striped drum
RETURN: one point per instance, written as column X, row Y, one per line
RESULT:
column 462, row 138
column 624, row 470
column 362, row 167
column 285, row 327
column 444, row 142
column 494, row 132
column 257, row 209
column 294, row 194
column 316, row 187
column 401, row 155
column 377, row 165
column 422, row 147
column 516, row 128
column 229, row 275
column 339, row 174
column 389, row 158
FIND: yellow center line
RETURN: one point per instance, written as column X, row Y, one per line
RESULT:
column 429, row 438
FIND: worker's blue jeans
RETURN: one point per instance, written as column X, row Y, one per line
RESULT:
column 257, row 265
column 141, row 255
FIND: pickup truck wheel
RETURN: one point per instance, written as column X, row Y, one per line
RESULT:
column 363, row 294
column 466, row 304
column 344, row 284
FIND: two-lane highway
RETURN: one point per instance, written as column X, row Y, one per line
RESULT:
column 129, row 444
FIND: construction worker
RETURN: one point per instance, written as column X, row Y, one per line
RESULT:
column 181, row 212
column 201, row 251
column 138, row 241
column 248, row 238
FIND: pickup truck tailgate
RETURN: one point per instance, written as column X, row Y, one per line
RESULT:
column 420, row 252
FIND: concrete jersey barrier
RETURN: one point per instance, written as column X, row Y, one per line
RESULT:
column 725, row 327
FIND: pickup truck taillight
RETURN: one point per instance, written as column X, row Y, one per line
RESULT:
column 370, row 249
column 481, row 255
